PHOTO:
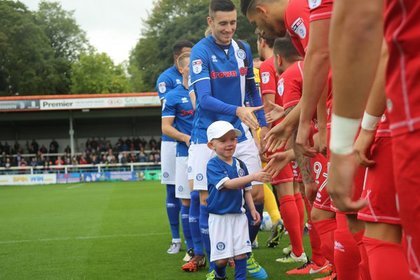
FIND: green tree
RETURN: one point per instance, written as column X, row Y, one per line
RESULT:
column 169, row 21
column 96, row 73
column 66, row 38
column 26, row 58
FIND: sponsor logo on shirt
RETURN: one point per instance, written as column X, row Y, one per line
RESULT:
column 184, row 100
column 299, row 28
column 213, row 58
column 265, row 77
column 165, row 174
column 180, row 188
column 178, row 81
column 162, row 87
column 280, row 87
column 197, row 66
column 187, row 113
column 314, row 3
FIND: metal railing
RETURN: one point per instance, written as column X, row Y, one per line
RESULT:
column 65, row 169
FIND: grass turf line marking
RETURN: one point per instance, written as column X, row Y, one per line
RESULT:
column 75, row 186
column 5, row 242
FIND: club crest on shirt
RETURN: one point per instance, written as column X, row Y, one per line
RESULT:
column 241, row 54
column 220, row 246
column 241, row 172
column 162, row 87
column 299, row 28
column 199, row 177
column 314, row 3
column 265, row 77
column 280, row 87
column 197, row 66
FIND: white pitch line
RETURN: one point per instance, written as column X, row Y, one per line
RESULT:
column 5, row 242
column 75, row 186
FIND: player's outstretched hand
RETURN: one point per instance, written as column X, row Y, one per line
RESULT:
column 362, row 147
column 340, row 182
column 278, row 136
column 302, row 140
column 262, row 176
column 275, row 114
column 246, row 115
column 278, row 161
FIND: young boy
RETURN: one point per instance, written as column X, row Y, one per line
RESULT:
column 229, row 186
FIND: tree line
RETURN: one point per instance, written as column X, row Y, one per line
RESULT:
column 47, row 52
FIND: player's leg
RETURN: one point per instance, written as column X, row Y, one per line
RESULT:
column 291, row 219
column 173, row 205
column 182, row 191
column 247, row 151
column 406, row 153
column 382, row 238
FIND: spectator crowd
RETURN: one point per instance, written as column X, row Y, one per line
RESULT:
column 96, row 151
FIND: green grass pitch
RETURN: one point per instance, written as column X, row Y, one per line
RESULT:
column 98, row 231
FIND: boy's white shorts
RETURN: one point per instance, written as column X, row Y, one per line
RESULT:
column 229, row 236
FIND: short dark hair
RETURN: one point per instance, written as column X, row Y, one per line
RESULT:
column 284, row 47
column 245, row 5
column 268, row 40
column 221, row 6
column 179, row 45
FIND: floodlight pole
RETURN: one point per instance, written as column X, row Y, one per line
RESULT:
column 71, row 134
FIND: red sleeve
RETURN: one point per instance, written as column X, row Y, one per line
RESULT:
column 268, row 78
column 292, row 85
column 320, row 9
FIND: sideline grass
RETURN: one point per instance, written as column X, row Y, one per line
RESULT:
column 97, row 231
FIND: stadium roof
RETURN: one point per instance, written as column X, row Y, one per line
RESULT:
column 78, row 102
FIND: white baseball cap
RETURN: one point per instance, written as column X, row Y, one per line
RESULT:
column 220, row 128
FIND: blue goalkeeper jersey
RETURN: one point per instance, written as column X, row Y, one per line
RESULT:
column 168, row 80
column 177, row 105
column 220, row 200
column 227, row 69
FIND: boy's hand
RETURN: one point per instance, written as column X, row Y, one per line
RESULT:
column 262, row 176
column 255, row 217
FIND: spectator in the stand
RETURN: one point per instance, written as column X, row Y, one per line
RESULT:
column 22, row 162
column 94, row 144
column 55, row 145
column 59, row 161
column 67, row 160
column 34, row 162
column 67, row 150
column 16, row 148
column 142, row 156
column 6, row 148
column 132, row 157
column 110, row 158
column 34, row 147
column 95, row 159
column 83, row 159
column 152, row 143
column 122, row 158
column 40, row 159
column 8, row 163
column 43, row 149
